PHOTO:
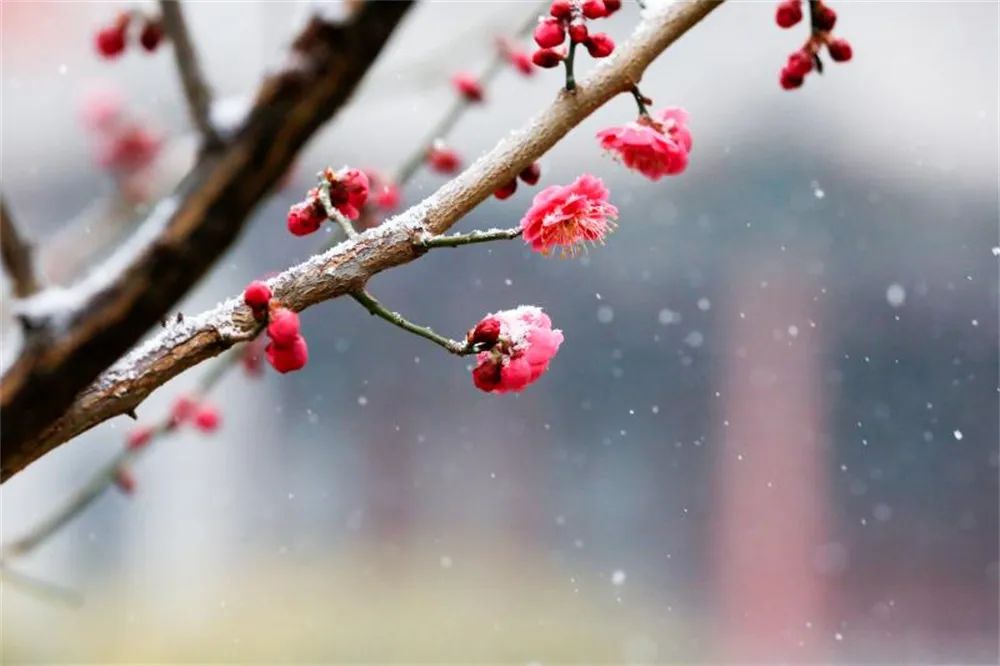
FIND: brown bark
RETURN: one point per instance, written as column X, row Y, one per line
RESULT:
column 213, row 202
column 350, row 265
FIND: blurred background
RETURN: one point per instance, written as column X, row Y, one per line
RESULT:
column 770, row 436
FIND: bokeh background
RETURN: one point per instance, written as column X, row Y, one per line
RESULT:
column 771, row 434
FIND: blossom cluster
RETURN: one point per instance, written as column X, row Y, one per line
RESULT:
column 286, row 350
column 568, row 18
column 110, row 41
column 804, row 60
column 347, row 190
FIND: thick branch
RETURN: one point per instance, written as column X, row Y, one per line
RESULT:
column 16, row 253
column 347, row 267
column 97, row 321
column 195, row 89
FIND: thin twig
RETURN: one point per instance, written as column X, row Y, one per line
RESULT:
column 17, row 257
column 196, row 90
column 343, row 269
column 106, row 474
column 41, row 588
column 458, row 240
column 459, row 105
column 104, row 477
column 374, row 307
column 334, row 214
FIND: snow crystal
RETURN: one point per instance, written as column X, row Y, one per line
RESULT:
column 618, row 577
column 895, row 295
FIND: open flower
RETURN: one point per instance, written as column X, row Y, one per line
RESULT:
column 520, row 351
column 569, row 216
column 654, row 148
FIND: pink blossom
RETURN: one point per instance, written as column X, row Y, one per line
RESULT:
column 207, row 418
column 132, row 148
column 568, row 216
column 521, row 352
column 653, row 148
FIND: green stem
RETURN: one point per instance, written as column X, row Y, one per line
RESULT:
column 570, row 80
column 458, row 240
column 374, row 307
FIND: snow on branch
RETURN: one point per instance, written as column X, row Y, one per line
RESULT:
column 346, row 268
column 109, row 311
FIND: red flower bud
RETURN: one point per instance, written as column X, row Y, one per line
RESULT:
column 506, row 190
column 824, row 18
column 125, row 480
column 290, row 358
column 789, row 13
column 183, row 409
column 283, row 327
column 443, row 160
column 547, row 58
column 561, row 9
column 306, row 217
column 531, row 173
column 110, row 41
column 790, row 80
column 486, row 333
column 612, row 6
column 578, row 32
column 840, row 50
column 151, row 35
column 599, row 45
column 139, row 437
column 207, row 419
column 467, row 86
column 594, row 9
column 521, row 62
column 549, row 33
column 799, row 63
column 257, row 295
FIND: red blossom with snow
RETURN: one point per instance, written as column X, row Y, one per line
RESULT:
column 307, row 216
column 523, row 343
column 654, row 148
column 569, row 216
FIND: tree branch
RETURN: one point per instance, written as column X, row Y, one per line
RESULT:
column 16, row 253
column 199, row 97
column 92, row 324
column 347, row 267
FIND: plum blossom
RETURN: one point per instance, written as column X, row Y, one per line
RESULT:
column 569, row 216
column 521, row 344
column 654, row 148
